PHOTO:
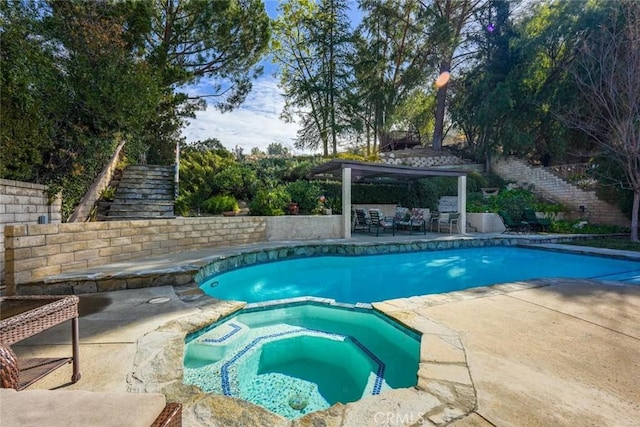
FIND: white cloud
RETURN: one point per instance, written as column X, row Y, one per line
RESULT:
column 256, row 123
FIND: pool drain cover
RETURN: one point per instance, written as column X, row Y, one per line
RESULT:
column 297, row 402
column 159, row 300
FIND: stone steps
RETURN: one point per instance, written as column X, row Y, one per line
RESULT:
column 583, row 204
column 143, row 192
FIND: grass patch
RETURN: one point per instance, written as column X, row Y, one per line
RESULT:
column 610, row 243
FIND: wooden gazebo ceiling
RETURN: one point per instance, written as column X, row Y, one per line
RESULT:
column 377, row 173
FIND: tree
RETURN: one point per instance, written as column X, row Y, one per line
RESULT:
column 606, row 71
column 509, row 100
column 451, row 18
column 277, row 149
column 310, row 45
column 484, row 101
column 224, row 39
column 393, row 57
column 28, row 83
column 191, row 39
column 71, row 89
column 209, row 144
column 108, row 90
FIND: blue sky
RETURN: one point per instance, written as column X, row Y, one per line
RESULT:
column 256, row 123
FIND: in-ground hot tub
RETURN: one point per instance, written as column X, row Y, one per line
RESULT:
column 300, row 358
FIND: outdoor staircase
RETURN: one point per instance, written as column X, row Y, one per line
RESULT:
column 143, row 192
column 583, row 204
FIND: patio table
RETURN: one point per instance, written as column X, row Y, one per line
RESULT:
column 24, row 316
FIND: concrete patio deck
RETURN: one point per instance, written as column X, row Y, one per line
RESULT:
column 564, row 354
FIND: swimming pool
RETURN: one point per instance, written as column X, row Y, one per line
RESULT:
column 301, row 358
column 370, row 278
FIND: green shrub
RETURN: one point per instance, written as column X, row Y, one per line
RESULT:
column 238, row 180
column 580, row 227
column 181, row 206
column 220, row 203
column 269, row 202
column 513, row 201
column 108, row 194
column 197, row 173
column 307, row 195
column 335, row 204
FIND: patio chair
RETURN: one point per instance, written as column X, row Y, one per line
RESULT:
column 361, row 222
column 417, row 220
column 378, row 221
column 434, row 220
column 401, row 218
column 537, row 224
column 450, row 222
column 512, row 226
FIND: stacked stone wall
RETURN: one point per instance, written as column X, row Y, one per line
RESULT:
column 419, row 161
column 426, row 161
column 83, row 210
column 36, row 251
column 551, row 187
column 24, row 203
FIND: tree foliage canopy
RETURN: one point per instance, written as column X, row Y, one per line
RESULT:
column 311, row 44
column 606, row 72
column 78, row 76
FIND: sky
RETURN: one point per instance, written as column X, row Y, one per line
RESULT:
column 256, row 123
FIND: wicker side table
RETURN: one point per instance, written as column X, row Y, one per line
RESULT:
column 24, row 316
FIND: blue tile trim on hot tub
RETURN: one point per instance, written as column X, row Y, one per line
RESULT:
column 224, row 370
column 377, row 386
column 236, row 328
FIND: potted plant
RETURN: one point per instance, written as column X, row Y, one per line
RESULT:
column 324, row 206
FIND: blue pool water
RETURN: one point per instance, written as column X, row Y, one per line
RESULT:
column 297, row 359
column 371, row 278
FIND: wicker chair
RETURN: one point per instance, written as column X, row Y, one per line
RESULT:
column 170, row 416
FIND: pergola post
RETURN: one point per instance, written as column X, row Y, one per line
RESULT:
column 346, row 203
column 462, row 203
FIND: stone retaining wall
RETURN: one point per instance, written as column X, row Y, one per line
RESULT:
column 24, row 203
column 304, row 227
column 549, row 186
column 419, row 161
column 35, row 251
column 83, row 210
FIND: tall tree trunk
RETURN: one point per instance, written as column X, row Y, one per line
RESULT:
column 332, row 89
column 441, row 98
column 487, row 161
column 635, row 210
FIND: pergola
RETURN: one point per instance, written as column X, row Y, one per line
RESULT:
column 349, row 171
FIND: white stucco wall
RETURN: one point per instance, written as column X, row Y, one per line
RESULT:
column 304, row 227
column 486, row 222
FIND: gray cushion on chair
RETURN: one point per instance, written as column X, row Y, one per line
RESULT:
column 78, row 408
